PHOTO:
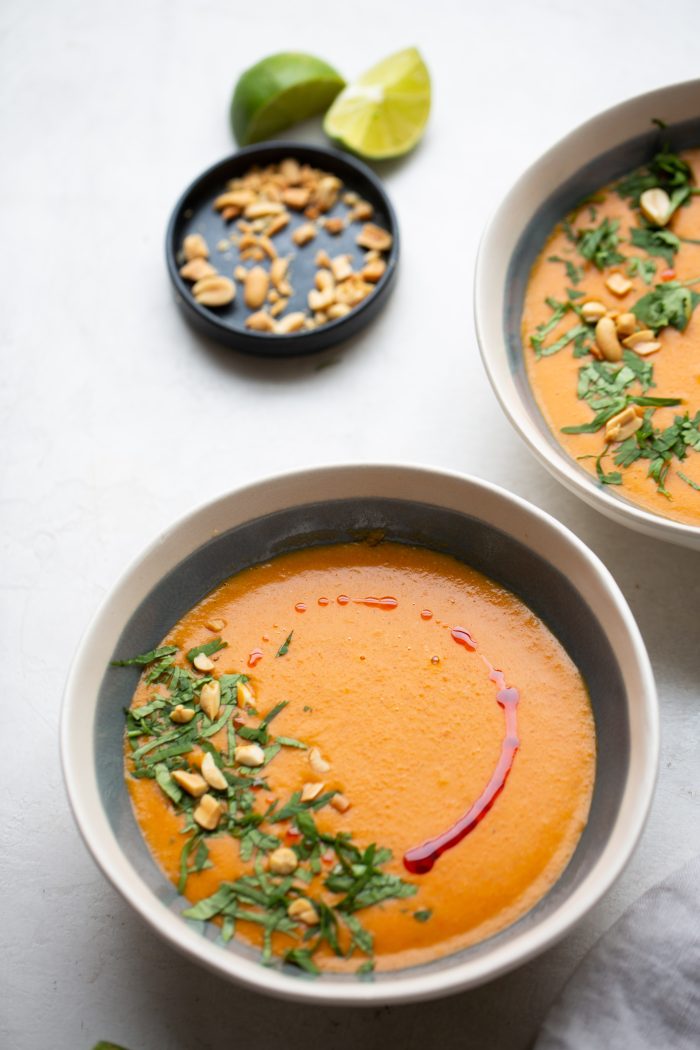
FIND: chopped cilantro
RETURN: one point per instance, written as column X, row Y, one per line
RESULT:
column 284, row 648
column 147, row 658
column 662, row 243
column 689, row 481
column 668, row 304
column 207, row 649
column 599, row 244
column 358, row 878
column 645, row 268
column 574, row 273
column 666, row 170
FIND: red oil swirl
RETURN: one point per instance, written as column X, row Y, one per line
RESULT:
column 426, row 614
column 378, row 603
column 300, row 607
column 420, row 859
column 463, row 637
column 324, row 601
column 343, row 599
column 255, row 657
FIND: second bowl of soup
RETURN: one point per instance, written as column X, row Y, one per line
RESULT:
column 587, row 290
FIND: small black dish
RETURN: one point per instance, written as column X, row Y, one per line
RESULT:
column 194, row 213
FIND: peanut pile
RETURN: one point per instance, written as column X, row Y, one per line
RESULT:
column 262, row 203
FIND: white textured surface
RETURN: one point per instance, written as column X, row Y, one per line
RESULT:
column 117, row 418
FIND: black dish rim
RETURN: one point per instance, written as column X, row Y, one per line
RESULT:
column 293, row 344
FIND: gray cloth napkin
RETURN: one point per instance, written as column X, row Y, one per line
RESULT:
column 639, row 986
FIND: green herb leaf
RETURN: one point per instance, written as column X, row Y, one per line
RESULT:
column 600, row 244
column 146, row 658
column 360, row 937
column 211, row 906
column 564, row 340
column 166, row 783
column 284, row 648
column 666, row 170
column 274, row 712
column 542, row 331
column 689, row 481
column 423, row 914
column 656, row 242
column 574, row 273
column 213, row 729
column 644, row 268
column 302, row 958
column 613, row 478
column 669, row 304
column 207, row 649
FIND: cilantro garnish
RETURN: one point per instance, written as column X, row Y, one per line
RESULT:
column 661, row 447
column 284, row 648
column 689, row 481
column 668, row 304
column 662, row 243
column 207, row 649
column 150, row 657
column 666, row 170
column 357, row 879
column 645, row 268
column 574, row 273
column 599, row 244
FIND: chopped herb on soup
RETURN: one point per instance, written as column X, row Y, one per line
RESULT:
column 614, row 368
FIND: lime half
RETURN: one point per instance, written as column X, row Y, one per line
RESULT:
column 384, row 113
column 279, row 91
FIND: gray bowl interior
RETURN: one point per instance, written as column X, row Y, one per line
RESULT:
column 546, row 591
column 597, row 173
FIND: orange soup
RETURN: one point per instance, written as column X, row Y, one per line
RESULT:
column 611, row 333
column 360, row 756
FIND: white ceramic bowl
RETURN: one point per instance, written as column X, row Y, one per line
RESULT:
column 598, row 151
column 497, row 533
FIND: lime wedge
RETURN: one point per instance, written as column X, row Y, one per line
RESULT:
column 384, row 113
column 281, row 90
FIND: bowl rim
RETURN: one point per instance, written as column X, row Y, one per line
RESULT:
column 77, row 743
column 494, row 352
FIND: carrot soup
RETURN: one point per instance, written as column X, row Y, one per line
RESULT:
column 360, row 756
column 611, row 335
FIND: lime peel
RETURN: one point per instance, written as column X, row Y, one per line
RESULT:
column 279, row 91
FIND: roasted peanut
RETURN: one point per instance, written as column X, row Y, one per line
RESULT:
column 618, row 284
column 303, row 910
column 212, row 774
column 210, row 699
column 208, row 812
column 655, row 205
column 196, row 269
column 593, row 310
column 623, row 425
column 255, row 287
column 283, row 861
column 303, row 234
column 249, row 755
column 260, row 322
column 192, row 783
column 195, row 247
column 214, row 291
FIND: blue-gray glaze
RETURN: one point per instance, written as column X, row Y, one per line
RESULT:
column 548, row 592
